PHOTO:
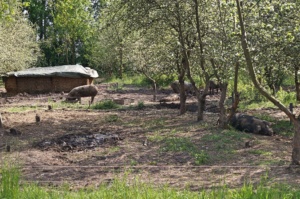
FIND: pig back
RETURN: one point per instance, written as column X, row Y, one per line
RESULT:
column 83, row 91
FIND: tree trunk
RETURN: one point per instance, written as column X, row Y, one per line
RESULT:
column 202, row 102
column 223, row 116
column 296, row 123
column 297, row 84
column 201, row 97
column 154, row 90
column 296, row 144
column 1, row 122
column 201, row 107
column 181, row 74
column 182, row 97
column 184, row 62
column 236, row 96
column 121, row 62
column 154, row 85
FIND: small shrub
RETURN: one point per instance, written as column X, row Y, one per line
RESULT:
column 140, row 105
column 286, row 97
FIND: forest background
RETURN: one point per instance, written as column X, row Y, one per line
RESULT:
column 194, row 40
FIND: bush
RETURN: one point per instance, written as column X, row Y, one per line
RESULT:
column 140, row 105
column 286, row 97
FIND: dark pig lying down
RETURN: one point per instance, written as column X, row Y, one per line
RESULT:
column 82, row 91
column 251, row 124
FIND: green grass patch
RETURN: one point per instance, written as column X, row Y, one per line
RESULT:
column 122, row 188
column 270, row 162
column 112, row 118
column 252, row 99
column 156, row 137
column 137, row 80
column 107, row 104
column 154, row 123
column 284, row 127
column 225, row 141
column 260, row 152
column 21, row 109
column 226, row 136
column 140, row 105
column 10, row 177
column 178, row 144
column 248, row 105
column 182, row 144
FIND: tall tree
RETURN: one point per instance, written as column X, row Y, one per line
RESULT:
column 73, row 24
column 253, row 76
column 8, row 9
column 106, row 51
column 176, row 16
column 18, row 46
column 223, row 49
column 40, row 14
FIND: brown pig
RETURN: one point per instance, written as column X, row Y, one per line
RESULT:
column 83, row 91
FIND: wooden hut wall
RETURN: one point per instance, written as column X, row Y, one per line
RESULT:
column 15, row 85
column 10, row 84
column 66, row 84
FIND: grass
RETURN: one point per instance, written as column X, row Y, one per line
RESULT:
column 284, row 127
column 107, row 104
column 226, row 139
column 112, row 118
column 137, row 80
column 156, row 123
column 10, row 177
column 223, row 144
column 11, row 188
column 260, row 152
column 21, row 109
column 252, row 99
column 182, row 144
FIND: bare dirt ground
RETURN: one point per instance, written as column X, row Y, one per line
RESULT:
column 132, row 142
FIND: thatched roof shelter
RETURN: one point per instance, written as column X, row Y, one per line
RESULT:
column 48, row 79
